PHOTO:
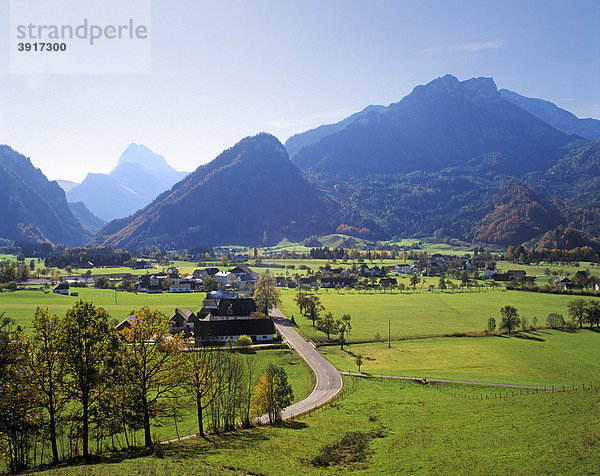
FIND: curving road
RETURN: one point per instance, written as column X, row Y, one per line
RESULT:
column 328, row 378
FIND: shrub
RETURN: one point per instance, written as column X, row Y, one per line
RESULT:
column 555, row 321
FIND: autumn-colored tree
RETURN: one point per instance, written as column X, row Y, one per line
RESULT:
column 92, row 349
column 48, row 369
column 272, row 393
column 153, row 362
column 19, row 403
column 203, row 378
column 266, row 295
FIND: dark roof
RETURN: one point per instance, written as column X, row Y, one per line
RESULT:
column 186, row 315
column 212, row 271
column 63, row 285
column 242, row 270
column 234, row 307
column 234, row 327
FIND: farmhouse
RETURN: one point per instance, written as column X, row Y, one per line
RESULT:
column 61, row 288
column 220, row 306
column 126, row 323
column 183, row 321
column 259, row 330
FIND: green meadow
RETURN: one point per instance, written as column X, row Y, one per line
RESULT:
column 424, row 313
column 420, row 429
column 542, row 358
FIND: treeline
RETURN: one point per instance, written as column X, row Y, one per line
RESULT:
column 530, row 255
column 80, row 257
column 11, row 273
column 76, row 386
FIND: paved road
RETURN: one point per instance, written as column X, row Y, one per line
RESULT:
column 491, row 384
column 329, row 380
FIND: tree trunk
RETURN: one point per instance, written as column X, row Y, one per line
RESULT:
column 147, row 434
column 86, row 428
column 53, row 433
column 200, row 422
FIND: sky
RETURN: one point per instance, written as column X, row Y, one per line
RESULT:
column 220, row 71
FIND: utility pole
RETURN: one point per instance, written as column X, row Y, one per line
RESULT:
column 389, row 334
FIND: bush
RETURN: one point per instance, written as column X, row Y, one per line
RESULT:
column 555, row 321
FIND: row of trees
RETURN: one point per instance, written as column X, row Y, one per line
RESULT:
column 311, row 307
column 580, row 312
column 76, row 380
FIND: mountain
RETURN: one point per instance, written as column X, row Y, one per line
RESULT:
column 250, row 194
column 519, row 214
column 562, row 238
column 444, row 123
column 89, row 222
column 297, row 141
column 139, row 177
column 31, row 206
column 66, row 185
column 555, row 116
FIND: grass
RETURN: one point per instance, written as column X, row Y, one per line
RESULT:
column 424, row 430
column 544, row 358
column 424, row 313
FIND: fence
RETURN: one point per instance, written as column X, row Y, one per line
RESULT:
column 515, row 392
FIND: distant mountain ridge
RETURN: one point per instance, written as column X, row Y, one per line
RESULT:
column 139, row 176
column 444, row 123
column 297, row 141
column 250, row 194
column 31, row 206
column 555, row 116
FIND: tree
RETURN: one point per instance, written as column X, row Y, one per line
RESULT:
column 210, row 283
column 314, row 308
column 555, row 321
column 326, row 324
column 592, row 313
column 47, row 364
column 491, row 324
column 344, row 327
column 414, row 280
column 301, row 301
column 266, row 294
column 272, row 393
column 203, row 379
column 153, row 362
column 32, row 265
column 576, row 310
column 359, row 360
column 442, row 284
column 19, row 418
column 510, row 318
column 91, row 350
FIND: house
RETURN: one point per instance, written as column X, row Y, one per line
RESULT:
column 307, row 282
column 205, row 273
column 517, row 273
column 220, row 305
column 338, row 281
column 126, row 323
column 466, row 264
column 597, row 287
column 239, row 270
column 183, row 321
column 280, row 281
column 61, row 288
column 563, row 282
column 155, row 289
column 259, row 330
column 403, row 268
column 226, row 278
column 180, row 288
column 489, row 272
column 388, row 282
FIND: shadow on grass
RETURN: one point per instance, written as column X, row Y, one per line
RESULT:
column 568, row 331
column 529, row 337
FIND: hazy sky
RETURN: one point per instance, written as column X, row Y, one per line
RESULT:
column 223, row 70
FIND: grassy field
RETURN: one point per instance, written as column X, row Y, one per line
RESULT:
column 544, row 357
column 21, row 305
column 424, row 313
column 423, row 430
